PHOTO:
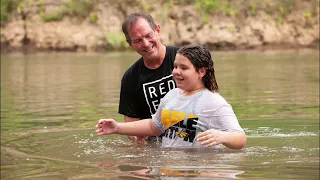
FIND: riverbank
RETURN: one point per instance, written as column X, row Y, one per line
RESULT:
column 57, row 26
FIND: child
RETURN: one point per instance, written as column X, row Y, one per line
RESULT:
column 192, row 115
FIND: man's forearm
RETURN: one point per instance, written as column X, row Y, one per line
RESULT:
column 130, row 119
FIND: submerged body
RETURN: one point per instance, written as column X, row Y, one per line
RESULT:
column 146, row 82
column 182, row 118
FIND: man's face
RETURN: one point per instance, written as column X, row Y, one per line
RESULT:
column 144, row 40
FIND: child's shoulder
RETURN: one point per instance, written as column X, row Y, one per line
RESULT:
column 213, row 99
column 172, row 93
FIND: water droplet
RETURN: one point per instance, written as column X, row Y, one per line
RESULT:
column 45, row 127
column 27, row 159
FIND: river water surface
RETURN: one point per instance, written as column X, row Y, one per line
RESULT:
column 50, row 103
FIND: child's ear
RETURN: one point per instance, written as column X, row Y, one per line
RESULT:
column 202, row 71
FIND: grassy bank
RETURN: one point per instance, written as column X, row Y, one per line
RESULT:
column 277, row 10
column 87, row 8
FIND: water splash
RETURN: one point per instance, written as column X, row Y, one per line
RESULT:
column 275, row 132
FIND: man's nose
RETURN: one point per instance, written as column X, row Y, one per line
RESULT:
column 145, row 42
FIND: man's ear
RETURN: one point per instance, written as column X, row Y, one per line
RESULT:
column 158, row 28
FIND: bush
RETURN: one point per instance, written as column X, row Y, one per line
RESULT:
column 80, row 8
column 7, row 7
column 116, row 41
column 51, row 17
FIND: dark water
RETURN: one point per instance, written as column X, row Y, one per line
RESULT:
column 50, row 103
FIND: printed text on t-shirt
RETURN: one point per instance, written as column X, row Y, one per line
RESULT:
column 155, row 90
column 179, row 124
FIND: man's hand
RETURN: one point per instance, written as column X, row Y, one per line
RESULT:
column 138, row 139
column 135, row 139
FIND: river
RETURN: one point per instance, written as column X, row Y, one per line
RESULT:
column 51, row 101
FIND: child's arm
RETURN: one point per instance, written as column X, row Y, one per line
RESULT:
column 143, row 127
column 233, row 140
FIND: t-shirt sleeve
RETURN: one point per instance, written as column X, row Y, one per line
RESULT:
column 218, row 114
column 226, row 119
column 156, row 117
column 127, row 104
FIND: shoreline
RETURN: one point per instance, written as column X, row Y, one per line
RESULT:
column 281, row 48
column 263, row 28
column 5, row 49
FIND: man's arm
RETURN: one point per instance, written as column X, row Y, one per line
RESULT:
column 130, row 119
column 135, row 139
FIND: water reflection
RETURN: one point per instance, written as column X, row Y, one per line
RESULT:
column 88, row 156
column 189, row 172
column 65, row 86
column 46, row 84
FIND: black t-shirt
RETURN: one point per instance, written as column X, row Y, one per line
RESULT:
column 142, row 88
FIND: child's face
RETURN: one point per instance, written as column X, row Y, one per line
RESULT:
column 185, row 74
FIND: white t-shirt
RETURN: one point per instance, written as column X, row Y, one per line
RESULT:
column 181, row 118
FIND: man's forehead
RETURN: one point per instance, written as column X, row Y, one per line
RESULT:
column 140, row 32
column 140, row 23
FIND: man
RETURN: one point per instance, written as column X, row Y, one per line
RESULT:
column 149, row 78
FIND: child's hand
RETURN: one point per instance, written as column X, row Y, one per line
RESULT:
column 211, row 137
column 106, row 126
